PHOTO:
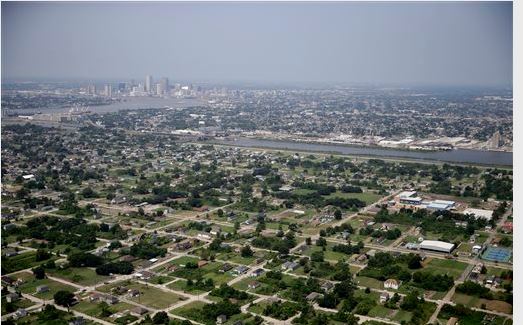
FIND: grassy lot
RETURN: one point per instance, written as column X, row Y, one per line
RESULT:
column 380, row 311
column 369, row 282
column 402, row 315
column 94, row 309
column 21, row 262
column 235, row 258
column 209, row 271
column 450, row 267
column 30, row 284
column 190, row 311
column 22, row 303
column 367, row 197
column 81, row 275
column 181, row 285
column 149, row 296
column 471, row 301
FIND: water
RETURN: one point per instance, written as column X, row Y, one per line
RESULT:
column 130, row 103
column 454, row 156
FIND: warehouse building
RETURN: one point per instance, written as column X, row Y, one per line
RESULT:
column 437, row 246
column 409, row 197
column 479, row 213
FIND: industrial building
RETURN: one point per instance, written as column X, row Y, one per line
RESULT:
column 409, row 197
column 437, row 246
column 441, row 205
column 479, row 213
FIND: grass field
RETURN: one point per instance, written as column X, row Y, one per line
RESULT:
column 22, row 303
column 21, row 262
column 369, row 282
column 94, row 309
column 149, row 295
column 450, row 267
column 367, row 197
column 471, row 301
column 30, row 284
column 81, row 275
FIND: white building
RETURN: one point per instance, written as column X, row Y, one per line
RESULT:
column 436, row 245
column 479, row 213
column 148, row 83
column 409, row 197
column 391, row 284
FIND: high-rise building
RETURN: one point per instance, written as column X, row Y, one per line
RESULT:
column 108, row 91
column 165, row 84
column 160, row 89
column 495, row 141
column 148, row 83
column 91, row 89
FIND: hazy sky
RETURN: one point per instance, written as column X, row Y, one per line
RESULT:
column 467, row 43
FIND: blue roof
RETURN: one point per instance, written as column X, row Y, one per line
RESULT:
column 439, row 206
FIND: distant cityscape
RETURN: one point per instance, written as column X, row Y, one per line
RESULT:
column 403, row 118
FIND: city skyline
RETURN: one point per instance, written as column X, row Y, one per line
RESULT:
column 335, row 43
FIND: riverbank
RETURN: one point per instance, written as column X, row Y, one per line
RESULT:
column 456, row 156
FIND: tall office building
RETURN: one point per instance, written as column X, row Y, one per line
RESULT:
column 495, row 141
column 108, row 90
column 160, row 89
column 148, row 83
column 165, row 84
column 91, row 89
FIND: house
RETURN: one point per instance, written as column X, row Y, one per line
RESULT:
column 452, row 321
column 77, row 321
column 133, row 293
column 391, row 284
column 384, row 297
column 257, row 273
column 476, row 249
column 327, row 286
column 221, row 319
column 110, row 300
column 290, row 266
column 253, row 285
column 202, row 263
column 144, row 275
column 508, row 227
column 313, row 296
column 42, row 289
column 240, row 270
column 12, row 297
column 138, row 311
column 225, row 267
column 20, row 313
column 28, row 177
column 7, row 280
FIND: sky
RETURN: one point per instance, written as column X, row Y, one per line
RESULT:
column 425, row 43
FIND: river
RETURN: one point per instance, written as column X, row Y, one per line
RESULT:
column 131, row 103
column 495, row 158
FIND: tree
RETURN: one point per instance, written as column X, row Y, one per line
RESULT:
column 39, row 272
column 64, row 298
column 411, row 301
column 415, row 262
column 337, row 214
column 161, row 317
column 246, row 251
column 317, row 256
column 308, row 241
column 42, row 255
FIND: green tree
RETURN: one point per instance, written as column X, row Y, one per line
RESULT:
column 39, row 272
column 64, row 298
